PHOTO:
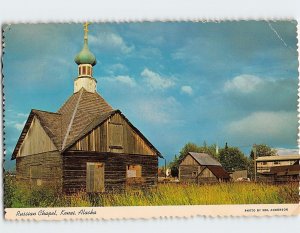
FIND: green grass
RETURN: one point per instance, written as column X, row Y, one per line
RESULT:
column 17, row 196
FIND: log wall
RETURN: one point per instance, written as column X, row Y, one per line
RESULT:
column 196, row 174
column 74, row 170
column 186, row 173
column 40, row 169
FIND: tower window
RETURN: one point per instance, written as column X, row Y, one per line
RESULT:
column 84, row 70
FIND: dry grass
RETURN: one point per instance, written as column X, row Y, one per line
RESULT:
column 164, row 194
column 226, row 193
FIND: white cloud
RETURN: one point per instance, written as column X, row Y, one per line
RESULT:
column 22, row 115
column 264, row 127
column 111, row 40
column 118, row 67
column 19, row 126
column 156, row 81
column 285, row 151
column 126, row 80
column 187, row 90
column 243, row 83
column 159, row 110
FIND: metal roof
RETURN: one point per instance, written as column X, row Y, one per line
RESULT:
column 278, row 157
column 219, row 172
column 204, row 159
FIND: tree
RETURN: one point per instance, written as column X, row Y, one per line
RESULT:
column 263, row 150
column 232, row 159
column 173, row 165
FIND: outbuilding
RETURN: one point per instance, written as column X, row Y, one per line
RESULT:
column 201, row 168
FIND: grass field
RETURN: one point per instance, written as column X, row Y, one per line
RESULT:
column 164, row 194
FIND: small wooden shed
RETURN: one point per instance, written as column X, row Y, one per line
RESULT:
column 201, row 168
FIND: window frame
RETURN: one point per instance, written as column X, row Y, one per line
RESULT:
column 138, row 171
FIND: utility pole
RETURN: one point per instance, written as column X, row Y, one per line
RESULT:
column 254, row 155
column 165, row 168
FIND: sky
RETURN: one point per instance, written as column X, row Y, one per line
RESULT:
column 177, row 82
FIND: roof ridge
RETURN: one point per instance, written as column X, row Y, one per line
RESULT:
column 45, row 111
column 66, row 101
column 72, row 118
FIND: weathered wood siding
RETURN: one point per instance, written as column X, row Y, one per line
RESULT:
column 196, row 174
column 189, row 160
column 114, row 135
column 191, row 172
column 206, row 176
column 115, row 167
column 188, row 173
column 40, row 169
column 36, row 140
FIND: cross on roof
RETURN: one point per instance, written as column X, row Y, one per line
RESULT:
column 86, row 29
column 85, row 25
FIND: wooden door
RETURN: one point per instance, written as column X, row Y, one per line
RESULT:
column 95, row 177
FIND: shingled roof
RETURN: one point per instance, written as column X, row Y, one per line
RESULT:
column 81, row 113
column 204, row 159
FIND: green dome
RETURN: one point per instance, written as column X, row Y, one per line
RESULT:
column 85, row 56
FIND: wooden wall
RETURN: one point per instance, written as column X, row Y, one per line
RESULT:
column 40, row 169
column 36, row 140
column 74, row 172
column 191, row 172
column 206, row 176
column 114, row 135
column 189, row 160
column 186, row 173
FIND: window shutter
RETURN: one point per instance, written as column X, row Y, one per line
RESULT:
column 116, row 136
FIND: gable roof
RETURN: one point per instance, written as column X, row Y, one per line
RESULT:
column 204, row 159
column 99, row 120
column 218, row 171
column 51, row 123
column 81, row 113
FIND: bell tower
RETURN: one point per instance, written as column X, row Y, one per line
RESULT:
column 85, row 61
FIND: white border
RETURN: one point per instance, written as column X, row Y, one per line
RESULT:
column 74, row 11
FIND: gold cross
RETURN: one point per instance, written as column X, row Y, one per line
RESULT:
column 85, row 26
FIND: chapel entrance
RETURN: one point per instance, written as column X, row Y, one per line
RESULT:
column 95, row 177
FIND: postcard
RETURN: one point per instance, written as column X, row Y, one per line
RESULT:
column 150, row 119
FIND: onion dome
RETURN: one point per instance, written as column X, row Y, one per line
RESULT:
column 85, row 56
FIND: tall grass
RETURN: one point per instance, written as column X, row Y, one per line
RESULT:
column 225, row 193
column 165, row 194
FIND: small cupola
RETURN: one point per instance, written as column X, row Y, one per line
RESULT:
column 85, row 60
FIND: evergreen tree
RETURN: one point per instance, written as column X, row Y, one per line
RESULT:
column 233, row 159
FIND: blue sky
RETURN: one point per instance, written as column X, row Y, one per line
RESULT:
column 177, row 82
